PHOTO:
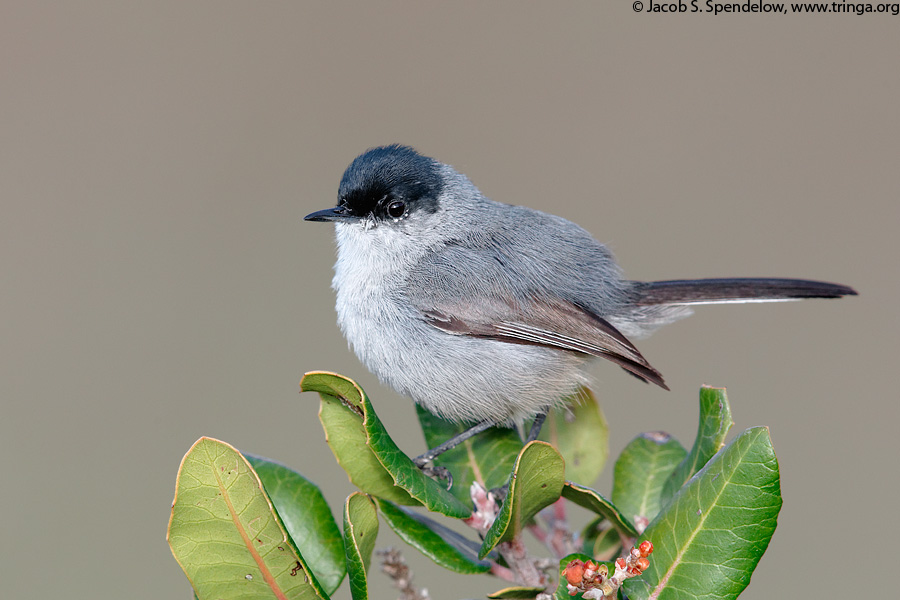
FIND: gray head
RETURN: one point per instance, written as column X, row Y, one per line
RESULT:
column 386, row 184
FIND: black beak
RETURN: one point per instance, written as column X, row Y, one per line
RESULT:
column 338, row 213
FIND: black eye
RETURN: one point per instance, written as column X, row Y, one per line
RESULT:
column 396, row 209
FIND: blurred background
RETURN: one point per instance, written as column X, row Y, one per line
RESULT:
column 158, row 284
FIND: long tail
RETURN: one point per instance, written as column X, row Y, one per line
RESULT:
column 719, row 291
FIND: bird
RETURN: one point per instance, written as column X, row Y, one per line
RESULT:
column 489, row 314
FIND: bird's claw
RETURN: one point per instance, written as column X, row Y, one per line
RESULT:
column 433, row 471
column 500, row 493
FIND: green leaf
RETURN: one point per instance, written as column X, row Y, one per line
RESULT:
column 517, row 593
column 308, row 519
column 590, row 533
column 536, row 482
column 607, row 545
column 360, row 531
column 226, row 534
column 641, row 471
column 711, row 536
column 580, row 433
column 365, row 450
column 715, row 421
column 600, row 540
column 444, row 546
column 486, row 458
column 346, row 436
column 593, row 501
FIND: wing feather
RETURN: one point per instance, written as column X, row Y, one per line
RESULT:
column 542, row 322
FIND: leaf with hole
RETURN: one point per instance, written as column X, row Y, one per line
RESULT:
column 307, row 517
column 227, row 536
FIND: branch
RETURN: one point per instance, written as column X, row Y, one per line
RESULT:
column 393, row 565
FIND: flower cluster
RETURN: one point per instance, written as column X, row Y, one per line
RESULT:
column 486, row 508
column 636, row 561
column 586, row 576
column 592, row 579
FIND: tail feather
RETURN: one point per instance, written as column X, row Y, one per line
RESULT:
column 717, row 291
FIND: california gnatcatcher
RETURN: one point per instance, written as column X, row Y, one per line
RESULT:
column 488, row 313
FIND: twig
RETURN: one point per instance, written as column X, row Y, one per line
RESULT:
column 559, row 540
column 393, row 565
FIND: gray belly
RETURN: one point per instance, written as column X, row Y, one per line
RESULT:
column 460, row 378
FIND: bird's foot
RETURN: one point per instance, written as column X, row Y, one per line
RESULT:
column 435, row 472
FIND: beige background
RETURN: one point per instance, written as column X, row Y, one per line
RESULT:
column 159, row 284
